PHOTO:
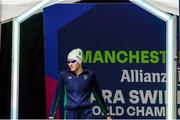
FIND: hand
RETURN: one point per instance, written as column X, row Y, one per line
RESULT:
column 109, row 118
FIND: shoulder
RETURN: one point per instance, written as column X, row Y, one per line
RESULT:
column 63, row 73
column 90, row 72
column 87, row 70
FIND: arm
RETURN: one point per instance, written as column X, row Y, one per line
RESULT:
column 57, row 96
column 99, row 98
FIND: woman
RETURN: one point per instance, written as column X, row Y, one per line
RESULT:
column 77, row 84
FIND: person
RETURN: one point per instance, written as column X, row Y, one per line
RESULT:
column 77, row 84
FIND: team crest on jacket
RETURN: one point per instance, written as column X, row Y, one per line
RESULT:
column 69, row 78
column 85, row 77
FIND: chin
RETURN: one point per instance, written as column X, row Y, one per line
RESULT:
column 72, row 69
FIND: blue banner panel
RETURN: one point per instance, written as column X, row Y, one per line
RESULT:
column 125, row 46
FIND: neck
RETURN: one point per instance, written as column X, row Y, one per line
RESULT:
column 79, row 71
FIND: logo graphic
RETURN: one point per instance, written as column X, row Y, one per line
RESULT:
column 85, row 77
column 69, row 78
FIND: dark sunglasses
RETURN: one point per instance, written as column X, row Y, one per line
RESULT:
column 71, row 61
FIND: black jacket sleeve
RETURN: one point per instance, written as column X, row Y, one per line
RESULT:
column 98, row 96
column 57, row 95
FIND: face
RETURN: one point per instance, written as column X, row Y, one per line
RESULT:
column 73, row 65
